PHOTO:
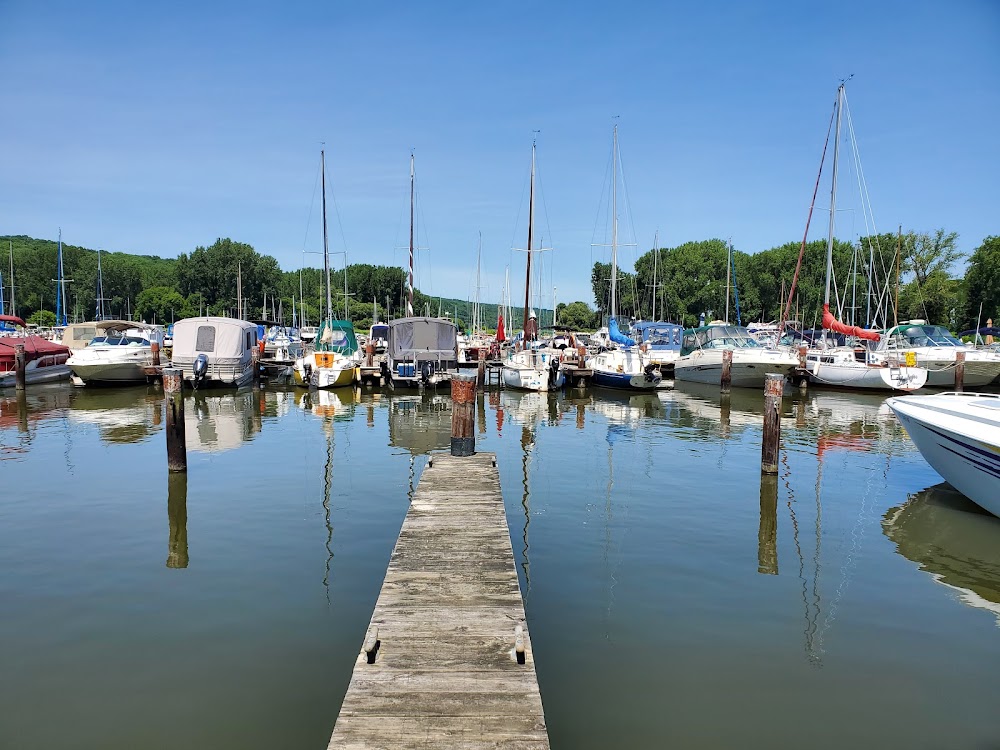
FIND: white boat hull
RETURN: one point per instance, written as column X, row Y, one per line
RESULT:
column 959, row 436
column 861, row 376
column 110, row 372
column 978, row 371
column 749, row 368
column 37, row 375
column 532, row 379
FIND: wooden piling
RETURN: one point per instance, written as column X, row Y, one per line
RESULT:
column 154, row 350
column 463, row 415
column 767, row 532
column 173, row 391
column 773, row 386
column 727, row 369
column 19, row 365
column 959, row 371
column 447, row 658
column 177, row 542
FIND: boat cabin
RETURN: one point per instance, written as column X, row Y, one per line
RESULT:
column 223, row 348
column 717, row 337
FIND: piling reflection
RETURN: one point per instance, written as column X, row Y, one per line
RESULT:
column 177, row 541
column 767, row 532
column 952, row 539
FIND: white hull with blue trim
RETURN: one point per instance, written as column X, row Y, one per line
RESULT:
column 958, row 434
column 628, row 369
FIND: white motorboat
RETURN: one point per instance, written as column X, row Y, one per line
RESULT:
column 119, row 353
column 701, row 356
column 215, row 351
column 958, row 434
column 936, row 350
column 534, row 370
column 45, row 361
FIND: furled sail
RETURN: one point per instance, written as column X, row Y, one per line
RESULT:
column 830, row 323
column 616, row 335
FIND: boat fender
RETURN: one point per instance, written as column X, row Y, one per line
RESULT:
column 199, row 370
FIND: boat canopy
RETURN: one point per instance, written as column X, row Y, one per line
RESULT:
column 717, row 337
column 226, row 340
column 659, row 335
column 379, row 331
column 984, row 331
column 616, row 336
column 34, row 347
column 423, row 338
column 336, row 336
column 12, row 319
column 907, row 335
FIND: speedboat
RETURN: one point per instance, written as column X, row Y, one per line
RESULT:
column 120, row 353
column 45, row 361
column 958, row 434
column 936, row 350
column 700, row 359
column 534, row 370
column 662, row 340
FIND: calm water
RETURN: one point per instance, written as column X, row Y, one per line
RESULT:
column 674, row 598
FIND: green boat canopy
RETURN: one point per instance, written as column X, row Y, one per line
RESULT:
column 336, row 336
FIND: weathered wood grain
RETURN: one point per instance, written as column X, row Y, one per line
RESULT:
column 445, row 673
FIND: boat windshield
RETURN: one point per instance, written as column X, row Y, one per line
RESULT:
column 718, row 337
column 118, row 341
column 918, row 336
column 670, row 337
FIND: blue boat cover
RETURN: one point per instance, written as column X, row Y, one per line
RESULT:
column 616, row 335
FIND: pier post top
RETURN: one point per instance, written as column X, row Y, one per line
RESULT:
column 465, row 377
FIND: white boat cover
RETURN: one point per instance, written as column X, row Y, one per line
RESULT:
column 226, row 341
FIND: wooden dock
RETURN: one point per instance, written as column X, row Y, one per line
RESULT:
column 440, row 665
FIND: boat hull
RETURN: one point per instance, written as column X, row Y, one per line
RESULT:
column 110, row 372
column 866, row 377
column 533, row 379
column 624, row 380
column 705, row 366
column 941, row 372
column 37, row 375
column 962, row 449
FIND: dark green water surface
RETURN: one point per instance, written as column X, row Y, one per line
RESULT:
column 674, row 599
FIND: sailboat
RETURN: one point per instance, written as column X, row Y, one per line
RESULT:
column 855, row 367
column 627, row 365
column 334, row 361
column 532, row 369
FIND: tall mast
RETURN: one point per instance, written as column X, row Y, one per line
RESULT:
column 476, row 322
column 614, row 230
column 833, row 197
column 99, row 310
column 729, row 266
column 239, row 289
column 409, row 289
column 326, row 244
column 60, row 286
column 656, row 255
column 895, row 303
column 531, row 227
column 10, row 245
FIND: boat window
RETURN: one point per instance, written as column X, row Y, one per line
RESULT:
column 84, row 334
column 205, row 340
column 249, row 340
column 925, row 336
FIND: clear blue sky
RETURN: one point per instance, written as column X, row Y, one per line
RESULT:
column 157, row 127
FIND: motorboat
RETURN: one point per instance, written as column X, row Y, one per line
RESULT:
column 119, row 353
column 533, row 370
column 936, row 351
column 334, row 361
column 308, row 333
column 701, row 355
column 958, row 434
column 45, row 361
column 378, row 336
column 212, row 351
column 280, row 347
column 422, row 351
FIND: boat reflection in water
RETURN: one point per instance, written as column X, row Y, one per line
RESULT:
column 221, row 421
column 19, row 409
column 420, row 424
column 952, row 539
column 121, row 415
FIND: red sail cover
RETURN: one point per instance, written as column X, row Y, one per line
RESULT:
column 830, row 323
column 34, row 347
column 501, row 337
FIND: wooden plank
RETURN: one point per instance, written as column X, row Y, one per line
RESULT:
column 445, row 673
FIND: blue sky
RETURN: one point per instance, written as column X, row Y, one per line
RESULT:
column 158, row 127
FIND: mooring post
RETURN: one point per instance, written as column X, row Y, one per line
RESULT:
column 173, row 391
column 463, row 414
column 803, row 361
column 177, row 514
column 767, row 532
column 154, row 349
column 369, row 354
column 773, row 385
column 727, row 369
column 959, row 370
column 19, row 367
column 481, row 371
column 255, row 360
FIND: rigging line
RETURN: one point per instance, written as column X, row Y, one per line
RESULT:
column 805, row 234
column 312, row 203
column 798, row 549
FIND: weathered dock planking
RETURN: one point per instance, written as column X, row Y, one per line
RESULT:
column 446, row 672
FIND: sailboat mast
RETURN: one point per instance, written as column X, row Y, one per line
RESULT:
column 326, row 244
column 656, row 255
column 729, row 266
column 477, row 314
column 239, row 289
column 895, row 302
column 99, row 310
column 531, row 227
column 409, row 289
column 60, row 286
column 614, row 227
column 833, row 196
column 10, row 246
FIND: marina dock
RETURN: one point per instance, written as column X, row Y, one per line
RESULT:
column 447, row 661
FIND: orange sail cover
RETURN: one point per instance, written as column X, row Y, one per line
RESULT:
column 830, row 323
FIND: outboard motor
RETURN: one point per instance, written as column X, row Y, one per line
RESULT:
column 383, row 366
column 553, row 371
column 200, row 370
column 652, row 372
column 426, row 369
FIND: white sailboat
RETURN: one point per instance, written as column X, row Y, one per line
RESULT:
column 626, row 365
column 856, row 368
column 532, row 369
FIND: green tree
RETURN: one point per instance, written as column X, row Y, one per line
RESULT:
column 42, row 318
column 982, row 284
column 161, row 304
column 576, row 315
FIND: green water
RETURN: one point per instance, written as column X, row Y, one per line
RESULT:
column 674, row 599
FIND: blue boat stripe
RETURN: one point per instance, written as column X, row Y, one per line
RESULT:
column 985, row 467
column 994, row 458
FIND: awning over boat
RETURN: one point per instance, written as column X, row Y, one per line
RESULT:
column 832, row 324
column 413, row 337
column 34, row 347
column 12, row 319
